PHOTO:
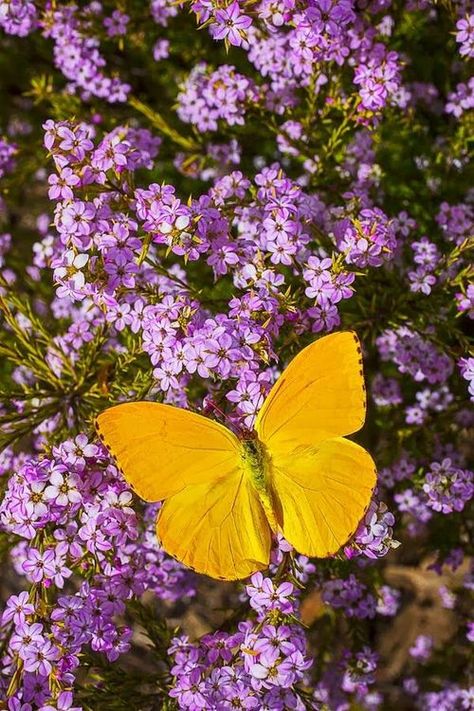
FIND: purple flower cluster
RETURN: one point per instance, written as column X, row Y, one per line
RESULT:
column 452, row 697
column 350, row 678
column 161, row 11
column 462, row 99
column 18, row 17
column 414, row 503
column 388, row 602
column 426, row 257
column 76, row 52
column 366, row 240
column 465, row 301
column 350, row 595
column 259, row 666
column 428, row 401
column 414, row 355
column 456, row 221
column 100, row 257
column 448, row 487
column 386, row 392
column 73, row 515
column 323, row 32
column 467, row 371
column 209, row 97
column 465, row 36
column 378, row 76
column 374, row 536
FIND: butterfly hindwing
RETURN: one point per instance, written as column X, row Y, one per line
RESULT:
column 218, row 528
column 322, row 493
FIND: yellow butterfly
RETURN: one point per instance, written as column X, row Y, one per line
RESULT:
column 294, row 474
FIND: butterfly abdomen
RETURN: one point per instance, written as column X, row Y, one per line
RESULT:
column 256, row 461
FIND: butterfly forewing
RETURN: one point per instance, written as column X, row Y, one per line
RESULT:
column 321, row 394
column 162, row 449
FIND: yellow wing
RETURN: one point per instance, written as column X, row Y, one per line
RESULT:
column 321, row 494
column 321, row 483
column 321, row 394
column 162, row 449
column 218, row 529
column 212, row 520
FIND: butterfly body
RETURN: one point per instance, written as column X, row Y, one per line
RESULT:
column 295, row 473
column 257, row 467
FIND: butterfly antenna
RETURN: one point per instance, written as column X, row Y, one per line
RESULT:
column 216, row 408
column 224, row 416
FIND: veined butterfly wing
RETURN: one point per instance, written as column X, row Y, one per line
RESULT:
column 162, row 449
column 321, row 394
column 219, row 528
column 322, row 493
column 321, row 483
column 212, row 520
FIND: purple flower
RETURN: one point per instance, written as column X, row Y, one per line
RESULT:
column 293, row 667
column 269, row 671
column 40, row 565
column 190, row 691
column 465, row 36
column 422, row 647
column 421, row 281
column 448, row 487
column 116, row 24
column 388, row 602
column 275, row 638
column 7, row 154
column 63, row 488
column 238, row 694
column 18, row 17
column 62, row 184
column 119, row 315
column 39, row 659
column 230, row 24
column 17, row 609
column 75, row 141
column 374, row 536
column 27, row 637
column 466, row 301
column 466, row 366
column 121, row 269
column 264, row 596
